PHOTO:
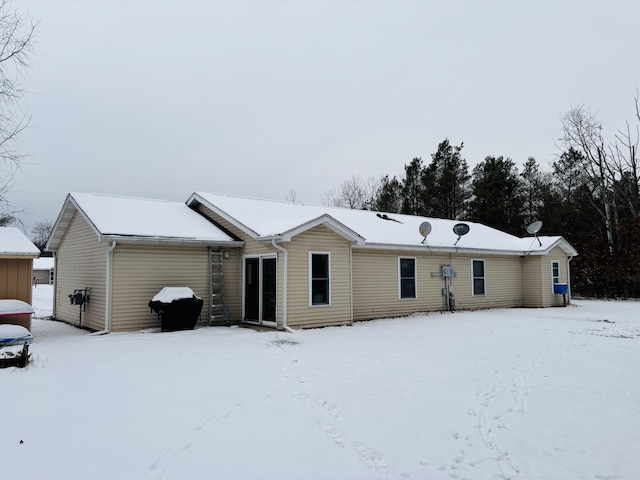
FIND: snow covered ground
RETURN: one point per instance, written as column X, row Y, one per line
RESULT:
column 518, row 393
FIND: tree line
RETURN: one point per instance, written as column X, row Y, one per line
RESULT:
column 590, row 195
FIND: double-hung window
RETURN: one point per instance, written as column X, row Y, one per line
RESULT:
column 407, row 277
column 319, row 278
column 478, row 277
column 555, row 273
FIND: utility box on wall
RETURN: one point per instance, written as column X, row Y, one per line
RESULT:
column 446, row 271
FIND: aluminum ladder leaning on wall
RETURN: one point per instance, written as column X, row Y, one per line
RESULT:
column 217, row 305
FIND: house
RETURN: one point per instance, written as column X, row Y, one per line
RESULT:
column 43, row 271
column 16, row 259
column 288, row 265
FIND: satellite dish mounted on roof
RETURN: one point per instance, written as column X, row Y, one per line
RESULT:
column 460, row 229
column 424, row 229
column 534, row 228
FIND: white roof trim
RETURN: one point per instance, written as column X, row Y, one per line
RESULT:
column 168, row 240
column 328, row 221
column 196, row 198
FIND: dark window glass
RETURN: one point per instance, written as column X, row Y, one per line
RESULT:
column 320, row 279
column 407, row 278
column 478, row 277
column 478, row 286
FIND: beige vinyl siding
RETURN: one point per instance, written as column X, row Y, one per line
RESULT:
column 549, row 298
column 375, row 287
column 233, row 266
column 299, row 313
column 503, row 282
column 141, row 271
column 80, row 263
column 532, row 280
column 375, row 283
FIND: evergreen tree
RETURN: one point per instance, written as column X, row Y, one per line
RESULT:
column 497, row 199
column 446, row 183
column 389, row 195
column 412, row 188
column 536, row 187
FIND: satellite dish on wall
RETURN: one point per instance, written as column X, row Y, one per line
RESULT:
column 534, row 228
column 460, row 229
column 424, row 229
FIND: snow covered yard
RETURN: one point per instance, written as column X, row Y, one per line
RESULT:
column 518, row 393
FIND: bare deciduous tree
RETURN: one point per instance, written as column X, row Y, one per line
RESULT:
column 356, row 193
column 582, row 130
column 625, row 156
column 291, row 196
column 41, row 232
column 17, row 33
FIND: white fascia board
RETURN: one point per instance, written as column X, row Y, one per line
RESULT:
column 429, row 248
column 170, row 241
column 329, row 222
column 561, row 242
column 69, row 207
column 232, row 220
column 566, row 246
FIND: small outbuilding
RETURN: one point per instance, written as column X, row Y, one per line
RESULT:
column 43, row 271
column 17, row 253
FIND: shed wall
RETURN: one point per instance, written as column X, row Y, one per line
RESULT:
column 15, row 283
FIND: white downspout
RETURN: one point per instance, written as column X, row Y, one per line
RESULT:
column 569, row 279
column 107, row 294
column 285, row 284
column 55, row 282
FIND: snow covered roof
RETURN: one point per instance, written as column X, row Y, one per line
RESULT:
column 129, row 219
column 265, row 219
column 43, row 263
column 14, row 242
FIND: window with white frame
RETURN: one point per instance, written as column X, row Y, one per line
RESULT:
column 319, row 278
column 407, row 277
column 555, row 272
column 478, row 277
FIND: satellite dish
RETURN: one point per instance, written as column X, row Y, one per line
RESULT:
column 424, row 229
column 534, row 228
column 460, row 229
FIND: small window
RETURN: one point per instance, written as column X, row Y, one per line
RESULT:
column 477, row 267
column 555, row 272
column 407, row 277
column 319, row 279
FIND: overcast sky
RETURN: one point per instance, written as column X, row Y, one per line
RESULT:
column 162, row 98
